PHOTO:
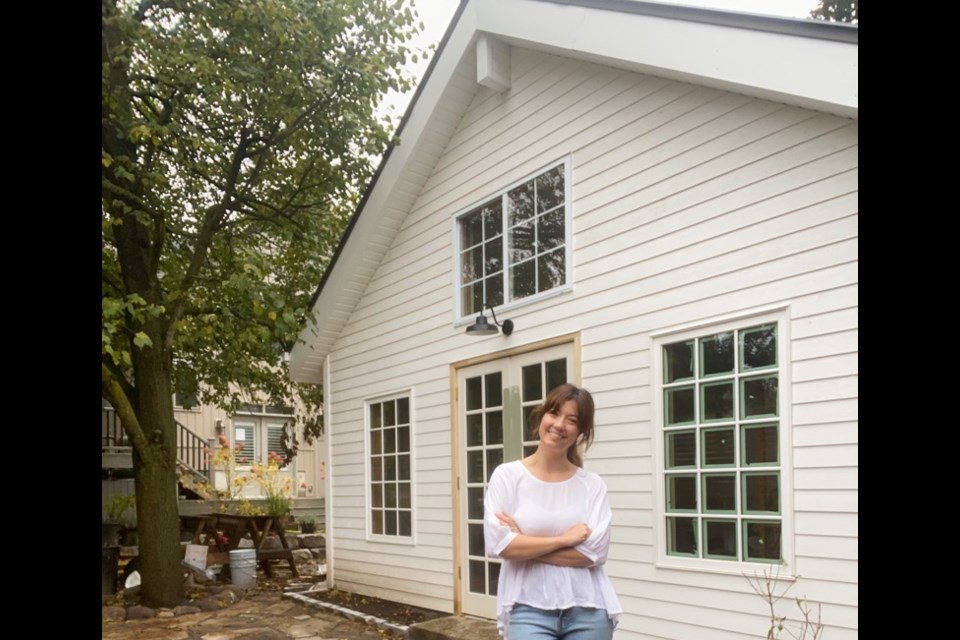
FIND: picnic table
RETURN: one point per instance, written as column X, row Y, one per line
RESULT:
column 228, row 529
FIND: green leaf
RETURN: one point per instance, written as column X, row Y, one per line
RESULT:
column 142, row 340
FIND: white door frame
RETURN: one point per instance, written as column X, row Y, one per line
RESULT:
column 510, row 363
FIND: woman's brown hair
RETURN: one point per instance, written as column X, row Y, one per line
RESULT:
column 553, row 402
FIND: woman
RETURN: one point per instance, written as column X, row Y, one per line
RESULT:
column 549, row 520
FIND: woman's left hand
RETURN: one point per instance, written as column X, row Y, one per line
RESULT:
column 509, row 522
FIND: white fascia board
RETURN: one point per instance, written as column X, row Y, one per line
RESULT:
column 353, row 269
column 810, row 72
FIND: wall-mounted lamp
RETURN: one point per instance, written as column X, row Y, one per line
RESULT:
column 483, row 328
column 219, row 426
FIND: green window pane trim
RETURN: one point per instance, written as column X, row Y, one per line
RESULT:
column 723, row 493
column 717, row 355
column 758, row 347
column 762, row 541
column 761, row 444
column 716, row 401
column 682, row 538
column 761, row 492
column 759, row 397
column 681, row 448
column 720, row 493
column 720, row 539
column 679, row 406
column 682, row 493
column 719, row 447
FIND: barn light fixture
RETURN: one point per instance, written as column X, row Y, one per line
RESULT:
column 483, row 328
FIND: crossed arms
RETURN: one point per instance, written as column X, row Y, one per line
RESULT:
column 557, row 550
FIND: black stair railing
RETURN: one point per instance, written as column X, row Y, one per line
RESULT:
column 111, row 433
column 191, row 448
column 192, row 452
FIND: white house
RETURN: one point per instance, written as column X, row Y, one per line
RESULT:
column 664, row 202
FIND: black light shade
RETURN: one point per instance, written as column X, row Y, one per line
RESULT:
column 483, row 328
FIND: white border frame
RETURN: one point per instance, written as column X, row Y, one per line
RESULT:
column 459, row 318
column 780, row 315
column 369, row 536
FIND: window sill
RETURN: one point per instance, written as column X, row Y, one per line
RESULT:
column 463, row 321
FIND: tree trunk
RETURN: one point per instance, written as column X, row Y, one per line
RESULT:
column 159, row 531
column 155, row 469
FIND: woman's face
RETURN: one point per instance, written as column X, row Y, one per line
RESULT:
column 559, row 428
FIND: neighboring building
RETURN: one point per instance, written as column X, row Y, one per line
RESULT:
column 664, row 201
column 259, row 427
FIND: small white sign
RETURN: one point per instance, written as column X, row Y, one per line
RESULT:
column 196, row 556
column 240, row 435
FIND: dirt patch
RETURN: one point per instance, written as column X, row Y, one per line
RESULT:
column 394, row 612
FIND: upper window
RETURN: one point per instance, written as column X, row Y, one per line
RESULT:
column 391, row 490
column 722, row 464
column 274, row 409
column 186, row 401
column 515, row 245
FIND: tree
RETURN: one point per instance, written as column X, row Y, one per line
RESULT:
column 837, row 11
column 235, row 138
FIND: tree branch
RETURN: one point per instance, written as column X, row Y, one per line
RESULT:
column 112, row 390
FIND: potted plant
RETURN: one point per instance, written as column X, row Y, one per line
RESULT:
column 275, row 485
column 308, row 525
column 115, row 518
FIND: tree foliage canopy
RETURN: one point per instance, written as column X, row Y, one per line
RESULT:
column 235, row 138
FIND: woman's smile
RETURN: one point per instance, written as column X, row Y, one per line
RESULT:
column 560, row 426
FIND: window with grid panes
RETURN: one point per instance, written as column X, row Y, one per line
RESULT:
column 721, row 430
column 391, row 504
column 514, row 245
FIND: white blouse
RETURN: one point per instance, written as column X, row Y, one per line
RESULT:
column 549, row 509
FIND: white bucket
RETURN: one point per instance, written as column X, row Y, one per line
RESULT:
column 243, row 568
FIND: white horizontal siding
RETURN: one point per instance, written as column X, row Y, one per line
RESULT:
column 689, row 204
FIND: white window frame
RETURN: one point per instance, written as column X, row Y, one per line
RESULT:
column 459, row 315
column 179, row 406
column 787, row 564
column 258, row 415
column 368, row 472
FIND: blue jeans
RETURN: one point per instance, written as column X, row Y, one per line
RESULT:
column 575, row 623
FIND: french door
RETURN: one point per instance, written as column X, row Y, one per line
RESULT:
column 259, row 436
column 493, row 401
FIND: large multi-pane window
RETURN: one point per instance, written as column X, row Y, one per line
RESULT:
column 514, row 245
column 721, row 441
column 391, row 502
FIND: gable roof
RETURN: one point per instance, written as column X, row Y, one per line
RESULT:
column 806, row 63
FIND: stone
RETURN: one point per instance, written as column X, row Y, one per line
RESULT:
column 312, row 541
column 139, row 612
column 271, row 542
column 453, row 628
column 209, row 604
column 113, row 614
column 302, row 555
column 185, row 609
